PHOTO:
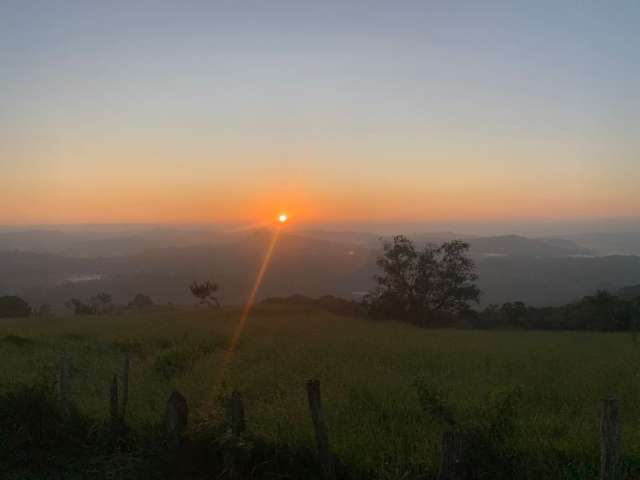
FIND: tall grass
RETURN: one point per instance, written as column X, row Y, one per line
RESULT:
column 373, row 378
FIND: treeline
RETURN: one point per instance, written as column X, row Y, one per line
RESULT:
column 435, row 286
column 12, row 306
column 102, row 304
column 602, row 311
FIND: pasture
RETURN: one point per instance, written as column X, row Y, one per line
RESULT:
column 385, row 385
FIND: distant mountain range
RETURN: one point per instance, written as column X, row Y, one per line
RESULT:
column 625, row 243
column 52, row 266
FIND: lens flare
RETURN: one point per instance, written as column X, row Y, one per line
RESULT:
column 237, row 333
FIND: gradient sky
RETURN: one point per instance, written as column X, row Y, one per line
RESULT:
column 185, row 111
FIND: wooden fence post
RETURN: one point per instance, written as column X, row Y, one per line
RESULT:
column 176, row 418
column 609, row 440
column 320, row 427
column 125, row 387
column 452, row 453
column 235, row 414
column 113, row 403
column 235, row 455
column 64, row 387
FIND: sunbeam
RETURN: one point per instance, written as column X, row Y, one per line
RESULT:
column 237, row 333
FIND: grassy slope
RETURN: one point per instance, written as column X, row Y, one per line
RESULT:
column 367, row 371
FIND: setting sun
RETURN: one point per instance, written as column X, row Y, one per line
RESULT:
column 283, row 217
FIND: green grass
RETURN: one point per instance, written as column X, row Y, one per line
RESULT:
column 368, row 373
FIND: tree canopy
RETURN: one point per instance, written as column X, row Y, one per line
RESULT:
column 419, row 285
column 206, row 292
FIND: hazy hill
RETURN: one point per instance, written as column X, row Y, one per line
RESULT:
column 98, row 243
column 504, row 245
column 350, row 237
column 129, row 241
column 553, row 281
column 517, row 246
column 538, row 271
column 298, row 265
column 619, row 243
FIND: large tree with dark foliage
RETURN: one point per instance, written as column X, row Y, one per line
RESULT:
column 206, row 292
column 12, row 306
column 141, row 302
column 420, row 285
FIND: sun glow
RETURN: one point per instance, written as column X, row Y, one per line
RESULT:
column 251, row 300
column 283, row 217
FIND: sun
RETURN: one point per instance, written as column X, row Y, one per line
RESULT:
column 283, row 217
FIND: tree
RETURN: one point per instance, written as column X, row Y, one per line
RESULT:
column 102, row 303
column 635, row 319
column 13, row 306
column 205, row 291
column 606, row 312
column 515, row 314
column 78, row 307
column 141, row 302
column 417, row 286
column 99, row 304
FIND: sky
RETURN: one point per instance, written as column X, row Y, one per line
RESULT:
column 211, row 111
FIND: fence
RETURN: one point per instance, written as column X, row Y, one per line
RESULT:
column 454, row 445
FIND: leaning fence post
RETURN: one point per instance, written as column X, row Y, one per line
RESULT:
column 452, row 451
column 609, row 440
column 125, row 387
column 113, row 402
column 235, row 414
column 64, row 386
column 176, row 418
column 320, row 428
column 234, row 453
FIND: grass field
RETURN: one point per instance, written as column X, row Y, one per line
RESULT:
column 373, row 376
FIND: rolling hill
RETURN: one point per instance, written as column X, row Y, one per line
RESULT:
column 537, row 271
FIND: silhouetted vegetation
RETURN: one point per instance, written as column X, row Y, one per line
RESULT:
column 206, row 292
column 418, row 286
column 99, row 304
column 13, row 306
column 141, row 302
column 601, row 311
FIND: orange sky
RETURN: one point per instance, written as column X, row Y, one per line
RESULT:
column 214, row 111
column 127, row 202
